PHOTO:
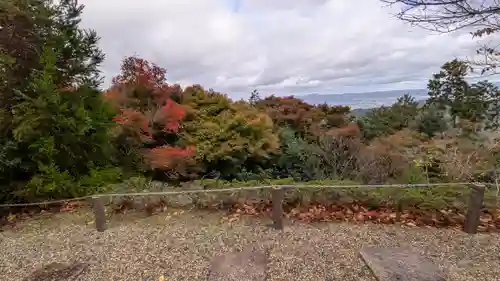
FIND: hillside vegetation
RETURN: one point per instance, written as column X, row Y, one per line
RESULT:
column 61, row 136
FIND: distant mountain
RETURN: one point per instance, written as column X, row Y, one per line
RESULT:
column 362, row 103
column 360, row 112
column 364, row 100
column 368, row 99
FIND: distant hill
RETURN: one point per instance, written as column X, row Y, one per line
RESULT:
column 364, row 100
column 360, row 112
column 360, row 102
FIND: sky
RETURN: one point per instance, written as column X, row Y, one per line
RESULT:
column 282, row 47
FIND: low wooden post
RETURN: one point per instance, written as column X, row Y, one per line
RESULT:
column 99, row 213
column 399, row 209
column 278, row 195
column 474, row 209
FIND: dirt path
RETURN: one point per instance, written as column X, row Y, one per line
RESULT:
column 181, row 246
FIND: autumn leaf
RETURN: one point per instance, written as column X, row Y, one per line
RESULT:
column 146, row 111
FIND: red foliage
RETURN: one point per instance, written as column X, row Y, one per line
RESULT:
column 142, row 93
column 145, row 104
column 288, row 111
column 171, row 115
column 302, row 117
column 166, row 157
column 141, row 72
column 354, row 212
column 129, row 116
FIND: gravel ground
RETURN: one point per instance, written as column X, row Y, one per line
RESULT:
column 181, row 245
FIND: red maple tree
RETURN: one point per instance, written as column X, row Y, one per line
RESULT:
column 144, row 100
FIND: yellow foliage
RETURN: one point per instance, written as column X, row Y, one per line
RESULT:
column 223, row 130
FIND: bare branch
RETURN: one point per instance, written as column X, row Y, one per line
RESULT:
column 444, row 16
column 449, row 15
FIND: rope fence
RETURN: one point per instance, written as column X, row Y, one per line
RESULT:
column 470, row 225
column 243, row 188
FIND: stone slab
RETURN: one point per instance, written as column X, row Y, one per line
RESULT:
column 248, row 265
column 399, row 264
column 58, row 272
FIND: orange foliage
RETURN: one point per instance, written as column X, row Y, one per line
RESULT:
column 112, row 95
column 350, row 131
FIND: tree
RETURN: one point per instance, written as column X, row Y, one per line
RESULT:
column 450, row 92
column 490, row 105
column 296, row 157
column 333, row 116
column 338, row 151
column 305, row 119
column 387, row 120
column 228, row 135
column 148, row 118
column 27, row 26
column 448, row 89
column 65, row 135
column 431, row 121
column 289, row 112
column 254, row 97
column 48, row 74
column 448, row 16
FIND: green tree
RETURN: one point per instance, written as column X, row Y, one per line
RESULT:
column 294, row 156
column 28, row 26
column 431, row 121
column 54, row 123
column 386, row 120
column 449, row 91
column 254, row 97
column 65, row 135
column 488, row 105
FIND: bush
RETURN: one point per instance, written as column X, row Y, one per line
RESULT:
column 99, row 179
column 296, row 157
column 51, row 183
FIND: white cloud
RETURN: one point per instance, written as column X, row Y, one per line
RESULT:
column 279, row 46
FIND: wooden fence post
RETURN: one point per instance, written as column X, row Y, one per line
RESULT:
column 99, row 213
column 278, row 195
column 474, row 209
column 399, row 209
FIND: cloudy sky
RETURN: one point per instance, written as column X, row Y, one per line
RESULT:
column 279, row 46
